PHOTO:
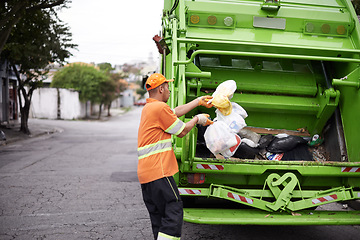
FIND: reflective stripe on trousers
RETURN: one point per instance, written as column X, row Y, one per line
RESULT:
column 163, row 236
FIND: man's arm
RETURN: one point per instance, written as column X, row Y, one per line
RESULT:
column 202, row 119
column 188, row 126
column 183, row 109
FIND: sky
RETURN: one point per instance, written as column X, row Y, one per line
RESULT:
column 114, row 31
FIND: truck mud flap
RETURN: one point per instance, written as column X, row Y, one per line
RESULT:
column 259, row 217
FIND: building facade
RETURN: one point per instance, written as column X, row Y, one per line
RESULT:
column 9, row 111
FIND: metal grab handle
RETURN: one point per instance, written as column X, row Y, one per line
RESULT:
column 339, row 82
column 350, row 80
column 266, row 55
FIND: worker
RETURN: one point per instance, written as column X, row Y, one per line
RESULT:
column 157, row 162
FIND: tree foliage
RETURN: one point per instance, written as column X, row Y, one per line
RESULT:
column 118, row 83
column 84, row 78
column 93, row 85
column 38, row 39
column 121, row 83
column 106, row 67
column 116, row 77
column 12, row 11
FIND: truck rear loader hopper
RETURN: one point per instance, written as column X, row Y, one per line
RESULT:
column 296, row 66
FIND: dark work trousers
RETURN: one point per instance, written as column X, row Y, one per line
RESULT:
column 165, row 207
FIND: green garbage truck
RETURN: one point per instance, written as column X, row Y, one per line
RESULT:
column 296, row 64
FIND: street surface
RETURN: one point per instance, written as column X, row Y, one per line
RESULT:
column 82, row 184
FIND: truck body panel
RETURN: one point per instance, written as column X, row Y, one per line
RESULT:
column 296, row 66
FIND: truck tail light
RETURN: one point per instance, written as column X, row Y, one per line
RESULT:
column 212, row 20
column 228, row 21
column 196, row 178
column 194, row 19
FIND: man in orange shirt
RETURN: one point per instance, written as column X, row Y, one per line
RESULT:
column 157, row 161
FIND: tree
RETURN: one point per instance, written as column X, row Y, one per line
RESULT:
column 38, row 39
column 93, row 85
column 121, row 84
column 113, row 90
column 108, row 91
column 12, row 11
column 106, row 67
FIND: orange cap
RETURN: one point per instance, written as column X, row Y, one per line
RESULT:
column 156, row 80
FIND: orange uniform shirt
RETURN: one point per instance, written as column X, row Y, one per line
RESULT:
column 155, row 152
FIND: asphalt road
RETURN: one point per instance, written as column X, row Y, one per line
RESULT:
column 81, row 184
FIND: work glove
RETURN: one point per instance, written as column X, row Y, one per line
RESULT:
column 203, row 101
column 203, row 119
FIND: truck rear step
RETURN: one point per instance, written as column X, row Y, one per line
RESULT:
column 258, row 217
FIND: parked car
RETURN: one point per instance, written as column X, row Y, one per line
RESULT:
column 140, row 102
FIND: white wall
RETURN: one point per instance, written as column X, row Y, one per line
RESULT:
column 44, row 104
column 127, row 98
column 70, row 106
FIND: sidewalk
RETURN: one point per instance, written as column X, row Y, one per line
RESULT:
column 13, row 134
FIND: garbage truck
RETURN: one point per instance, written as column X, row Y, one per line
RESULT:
column 296, row 68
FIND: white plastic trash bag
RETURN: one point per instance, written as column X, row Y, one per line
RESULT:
column 239, row 110
column 226, row 88
column 222, row 95
column 231, row 151
column 233, row 120
column 219, row 138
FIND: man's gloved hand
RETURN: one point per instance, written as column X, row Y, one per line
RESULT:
column 203, row 101
column 203, row 119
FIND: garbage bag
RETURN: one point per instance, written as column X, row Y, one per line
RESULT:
column 222, row 103
column 226, row 88
column 247, row 133
column 231, row 151
column 300, row 152
column 233, row 120
column 284, row 144
column 246, row 152
column 265, row 140
column 249, row 142
column 222, row 95
column 219, row 138
column 239, row 110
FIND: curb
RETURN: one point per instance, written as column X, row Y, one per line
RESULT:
column 14, row 135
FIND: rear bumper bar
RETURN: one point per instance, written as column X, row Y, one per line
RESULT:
column 259, row 217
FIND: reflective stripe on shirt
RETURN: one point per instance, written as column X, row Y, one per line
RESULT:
column 158, row 147
column 176, row 128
